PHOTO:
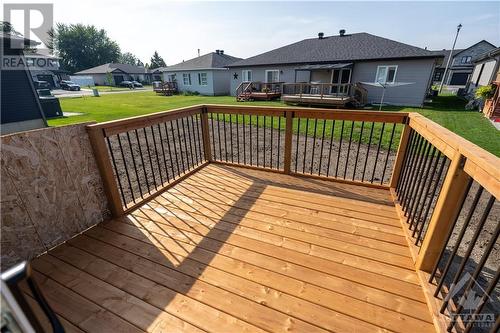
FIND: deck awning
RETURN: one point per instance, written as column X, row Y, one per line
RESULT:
column 324, row 66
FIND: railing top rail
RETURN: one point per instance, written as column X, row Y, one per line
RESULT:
column 480, row 164
column 317, row 84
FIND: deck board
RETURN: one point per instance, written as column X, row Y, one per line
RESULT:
column 238, row 250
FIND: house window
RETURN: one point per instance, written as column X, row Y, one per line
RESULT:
column 386, row 74
column 272, row 75
column 202, row 79
column 466, row 60
column 186, row 79
column 247, row 75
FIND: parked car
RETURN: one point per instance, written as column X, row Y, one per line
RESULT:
column 127, row 84
column 41, row 84
column 137, row 84
column 69, row 85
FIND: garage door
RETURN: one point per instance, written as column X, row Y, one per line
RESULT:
column 459, row 79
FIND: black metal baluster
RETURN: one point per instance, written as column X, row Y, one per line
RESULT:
column 189, row 151
column 472, row 243
column 450, row 232
column 132, row 154
column 192, row 140
column 264, row 142
column 357, row 152
column 305, row 145
column 250, row 137
column 388, row 153
column 411, row 168
column 257, row 140
column 218, row 133
column 475, row 275
column 314, row 143
column 406, row 161
column 322, row 146
column 213, row 136
column 231, row 136
column 368, row 151
column 279, row 143
column 156, row 153
column 348, row 149
column 297, row 148
column 196, row 131
column 331, row 146
column 142, row 160
column 272, row 143
column 458, row 241
column 163, row 153
column 238, row 136
column 416, row 179
column 149, row 157
column 434, row 192
column 340, row 148
column 180, row 146
column 170, row 150
column 378, row 151
column 420, row 189
column 225, row 136
column 116, row 171
column 126, row 169
column 244, row 142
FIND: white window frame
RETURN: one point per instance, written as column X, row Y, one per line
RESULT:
column 184, row 77
column 386, row 73
column 200, row 79
column 468, row 60
column 273, row 70
column 246, row 75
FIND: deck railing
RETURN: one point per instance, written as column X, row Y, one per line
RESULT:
column 445, row 188
column 356, row 92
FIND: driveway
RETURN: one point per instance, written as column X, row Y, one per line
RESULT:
column 88, row 92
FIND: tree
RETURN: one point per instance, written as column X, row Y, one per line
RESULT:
column 8, row 28
column 157, row 61
column 82, row 46
column 128, row 58
column 139, row 63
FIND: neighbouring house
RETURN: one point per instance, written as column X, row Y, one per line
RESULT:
column 206, row 74
column 20, row 106
column 117, row 73
column 487, row 72
column 342, row 60
column 461, row 65
column 45, row 67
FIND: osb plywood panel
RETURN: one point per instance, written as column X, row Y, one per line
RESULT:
column 58, row 186
column 82, row 167
column 19, row 238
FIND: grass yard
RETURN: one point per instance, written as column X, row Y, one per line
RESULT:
column 445, row 110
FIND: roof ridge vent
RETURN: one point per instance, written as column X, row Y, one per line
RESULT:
column 342, row 32
column 321, row 35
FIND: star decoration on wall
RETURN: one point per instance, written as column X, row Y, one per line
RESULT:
column 235, row 76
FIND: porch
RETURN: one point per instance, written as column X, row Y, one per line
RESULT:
column 264, row 219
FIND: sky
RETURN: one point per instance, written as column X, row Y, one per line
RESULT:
column 244, row 29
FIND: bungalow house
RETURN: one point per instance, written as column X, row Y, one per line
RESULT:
column 361, row 58
column 119, row 73
column 461, row 65
column 206, row 74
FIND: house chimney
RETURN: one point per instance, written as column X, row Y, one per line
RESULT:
column 321, row 35
column 221, row 51
column 342, row 32
column 217, row 51
column 198, row 52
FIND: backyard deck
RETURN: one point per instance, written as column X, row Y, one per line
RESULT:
column 230, row 249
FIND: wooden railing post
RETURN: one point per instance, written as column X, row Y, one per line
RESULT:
column 288, row 142
column 97, row 140
column 205, row 132
column 398, row 164
column 445, row 212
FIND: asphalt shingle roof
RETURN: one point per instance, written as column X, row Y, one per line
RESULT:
column 103, row 69
column 207, row 61
column 350, row 47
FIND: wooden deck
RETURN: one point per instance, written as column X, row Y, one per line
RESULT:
column 238, row 250
column 313, row 99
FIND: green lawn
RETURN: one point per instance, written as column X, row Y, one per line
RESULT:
column 110, row 88
column 445, row 110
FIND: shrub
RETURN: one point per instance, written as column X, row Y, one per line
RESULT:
column 485, row 92
column 190, row 93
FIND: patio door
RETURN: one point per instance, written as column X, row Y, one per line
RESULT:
column 341, row 76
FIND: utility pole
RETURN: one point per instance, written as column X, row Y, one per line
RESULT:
column 449, row 58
